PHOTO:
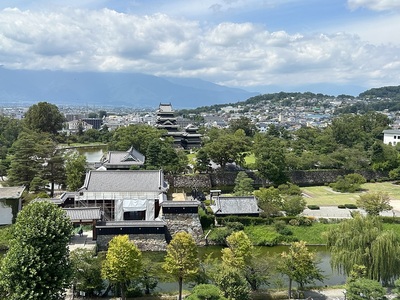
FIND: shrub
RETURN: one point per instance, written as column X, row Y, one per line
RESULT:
column 206, row 220
column 313, row 207
column 351, row 206
column 207, row 202
column 234, row 226
column 294, row 222
column 219, row 235
column 287, row 239
column 341, row 206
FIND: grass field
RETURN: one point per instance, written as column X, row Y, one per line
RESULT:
column 324, row 195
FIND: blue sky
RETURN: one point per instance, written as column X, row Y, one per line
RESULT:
column 334, row 47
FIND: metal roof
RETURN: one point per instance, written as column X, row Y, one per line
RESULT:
column 83, row 213
column 125, row 181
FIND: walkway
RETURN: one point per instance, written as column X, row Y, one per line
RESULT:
column 85, row 241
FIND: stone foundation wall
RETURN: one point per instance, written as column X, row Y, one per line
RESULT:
column 184, row 222
column 301, row 178
column 145, row 242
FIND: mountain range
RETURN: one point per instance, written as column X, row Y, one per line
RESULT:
column 112, row 89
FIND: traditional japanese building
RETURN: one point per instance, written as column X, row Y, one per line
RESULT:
column 187, row 139
column 123, row 160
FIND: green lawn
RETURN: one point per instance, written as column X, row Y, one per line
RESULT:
column 324, row 195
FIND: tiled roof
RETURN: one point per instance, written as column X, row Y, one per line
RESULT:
column 180, row 203
column 124, row 181
column 12, row 192
column 83, row 213
column 235, row 205
column 130, row 157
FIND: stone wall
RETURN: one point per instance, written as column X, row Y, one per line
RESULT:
column 184, row 222
column 199, row 181
column 206, row 182
column 145, row 242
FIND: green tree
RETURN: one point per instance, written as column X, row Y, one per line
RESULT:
column 240, row 254
column 203, row 163
column 269, row 200
column 75, row 169
column 122, row 263
column 137, row 136
column 243, row 184
column 181, row 260
column 364, row 288
column 245, row 124
column 231, row 281
column 239, row 251
column 149, row 277
column 270, row 157
column 44, row 117
column 227, row 148
column 36, row 265
column 358, row 287
column 25, row 161
column 374, row 202
column 206, row 292
column 293, row 205
column 299, row 264
column 363, row 241
column 87, row 272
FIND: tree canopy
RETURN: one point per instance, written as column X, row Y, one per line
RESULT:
column 44, row 117
column 363, row 241
column 36, row 266
column 122, row 263
column 181, row 260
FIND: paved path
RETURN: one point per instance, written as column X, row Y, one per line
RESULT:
column 85, row 241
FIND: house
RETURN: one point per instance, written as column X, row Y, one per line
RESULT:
column 10, row 203
column 237, row 206
column 124, row 194
column 123, row 160
column 391, row 136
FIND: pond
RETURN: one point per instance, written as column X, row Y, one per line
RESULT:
column 323, row 256
column 93, row 153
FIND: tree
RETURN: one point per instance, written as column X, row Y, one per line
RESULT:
column 240, row 254
column 75, row 169
column 299, row 265
column 137, row 136
column 181, row 260
column 358, row 287
column 203, row 163
column 44, row 117
column 374, row 202
column 149, row 278
column 25, row 162
column 269, row 200
column 270, row 159
column 231, row 281
column 86, row 272
column 293, row 205
column 239, row 251
column 122, row 263
column 243, row 184
column 36, row 265
column 245, row 124
column 227, row 148
column 363, row 241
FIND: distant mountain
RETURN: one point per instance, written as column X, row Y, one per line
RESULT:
column 112, row 89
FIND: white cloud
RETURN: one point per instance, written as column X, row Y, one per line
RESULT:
column 238, row 54
column 378, row 5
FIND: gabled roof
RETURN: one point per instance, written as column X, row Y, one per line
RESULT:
column 235, row 206
column 125, row 181
column 165, row 107
column 392, row 131
column 130, row 157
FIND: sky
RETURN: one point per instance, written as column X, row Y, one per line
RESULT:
column 329, row 46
